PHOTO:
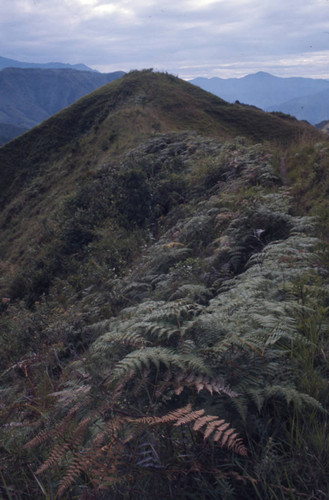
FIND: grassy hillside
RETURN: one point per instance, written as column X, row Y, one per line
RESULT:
column 164, row 311
column 119, row 115
column 43, row 170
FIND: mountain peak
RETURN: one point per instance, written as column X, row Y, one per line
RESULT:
column 260, row 75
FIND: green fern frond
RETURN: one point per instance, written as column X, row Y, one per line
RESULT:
column 292, row 395
column 130, row 338
column 137, row 360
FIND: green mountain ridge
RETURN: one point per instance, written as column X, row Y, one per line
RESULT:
column 164, row 311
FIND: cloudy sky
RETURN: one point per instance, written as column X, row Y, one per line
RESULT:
column 225, row 38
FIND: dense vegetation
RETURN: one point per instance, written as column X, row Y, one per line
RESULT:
column 164, row 315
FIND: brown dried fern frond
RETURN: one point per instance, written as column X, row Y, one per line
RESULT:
column 182, row 379
column 80, row 432
column 100, row 461
column 221, row 431
column 189, row 417
column 170, row 417
column 61, row 448
column 201, row 421
column 58, row 431
column 211, row 426
column 63, row 425
column 114, row 425
column 55, row 457
column 78, row 465
column 40, row 438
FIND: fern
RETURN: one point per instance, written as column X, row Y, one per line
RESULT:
column 291, row 395
column 56, row 455
column 226, row 311
column 182, row 379
column 137, row 360
column 220, row 430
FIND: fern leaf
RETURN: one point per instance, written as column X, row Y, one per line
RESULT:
column 77, row 466
column 291, row 395
column 189, row 417
column 211, row 426
column 43, row 436
column 55, row 457
column 220, row 430
column 200, row 422
column 170, row 417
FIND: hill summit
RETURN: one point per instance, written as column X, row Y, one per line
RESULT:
column 119, row 115
column 50, row 164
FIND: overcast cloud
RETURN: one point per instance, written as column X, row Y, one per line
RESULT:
column 189, row 38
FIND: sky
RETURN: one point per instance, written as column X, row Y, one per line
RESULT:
column 188, row 38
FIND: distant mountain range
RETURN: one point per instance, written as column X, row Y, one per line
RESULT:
column 313, row 108
column 304, row 98
column 9, row 132
column 30, row 96
column 11, row 63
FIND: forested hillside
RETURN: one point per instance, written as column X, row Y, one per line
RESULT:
column 164, row 300
column 30, row 96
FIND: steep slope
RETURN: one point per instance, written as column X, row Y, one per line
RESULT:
column 29, row 96
column 12, row 63
column 43, row 168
